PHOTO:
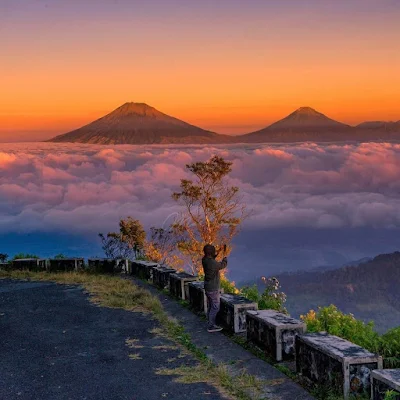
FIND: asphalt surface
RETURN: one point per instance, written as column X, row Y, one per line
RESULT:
column 55, row 344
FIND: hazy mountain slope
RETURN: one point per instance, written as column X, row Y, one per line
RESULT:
column 370, row 290
column 378, row 130
column 138, row 123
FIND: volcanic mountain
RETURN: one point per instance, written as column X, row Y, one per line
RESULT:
column 138, row 123
column 304, row 124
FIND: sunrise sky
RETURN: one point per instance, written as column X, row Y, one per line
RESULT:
column 230, row 66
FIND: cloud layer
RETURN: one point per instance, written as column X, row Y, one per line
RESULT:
column 312, row 204
column 86, row 189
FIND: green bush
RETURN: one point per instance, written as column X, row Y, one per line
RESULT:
column 390, row 348
column 228, row 286
column 270, row 299
column 60, row 256
column 331, row 320
column 391, row 395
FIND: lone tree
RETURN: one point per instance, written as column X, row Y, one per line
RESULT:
column 127, row 243
column 213, row 210
column 131, row 242
column 3, row 257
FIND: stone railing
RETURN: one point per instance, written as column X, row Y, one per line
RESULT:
column 100, row 265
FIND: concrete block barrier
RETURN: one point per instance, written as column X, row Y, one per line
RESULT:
column 143, row 269
column 179, row 284
column 233, row 310
column 66, row 264
column 108, row 265
column 274, row 332
column 331, row 361
column 101, row 265
column 161, row 276
column 197, row 297
column 30, row 264
column 5, row 266
column 384, row 380
column 123, row 265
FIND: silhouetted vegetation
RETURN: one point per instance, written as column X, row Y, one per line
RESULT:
column 127, row 243
column 59, row 256
column 21, row 256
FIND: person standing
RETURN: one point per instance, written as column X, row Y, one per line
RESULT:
column 212, row 278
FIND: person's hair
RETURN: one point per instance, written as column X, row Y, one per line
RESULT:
column 209, row 250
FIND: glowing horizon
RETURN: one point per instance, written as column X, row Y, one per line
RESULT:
column 231, row 67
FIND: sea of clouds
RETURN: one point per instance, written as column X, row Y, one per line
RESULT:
column 311, row 204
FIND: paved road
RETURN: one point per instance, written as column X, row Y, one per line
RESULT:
column 55, row 344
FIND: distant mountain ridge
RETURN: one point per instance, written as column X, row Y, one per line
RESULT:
column 369, row 290
column 139, row 123
column 380, row 125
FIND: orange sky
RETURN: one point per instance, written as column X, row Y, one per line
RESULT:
column 229, row 67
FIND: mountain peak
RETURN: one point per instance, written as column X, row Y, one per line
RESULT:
column 140, row 109
column 307, row 111
column 307, row 115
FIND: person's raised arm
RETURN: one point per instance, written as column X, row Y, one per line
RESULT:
column 223, row 263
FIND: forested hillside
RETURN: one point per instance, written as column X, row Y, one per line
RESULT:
column 370, row 290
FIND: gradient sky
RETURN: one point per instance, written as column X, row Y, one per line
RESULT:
column 228, row 65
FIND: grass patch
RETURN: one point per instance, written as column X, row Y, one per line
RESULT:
column 164, row 347
column 106, row 291
column 243, row 386
column 135, row 356
column 114, row 292
column 133, row 344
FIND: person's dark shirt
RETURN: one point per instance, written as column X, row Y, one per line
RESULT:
column 211, row 269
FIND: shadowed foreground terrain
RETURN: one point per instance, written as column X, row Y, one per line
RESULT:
column 55, row 344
